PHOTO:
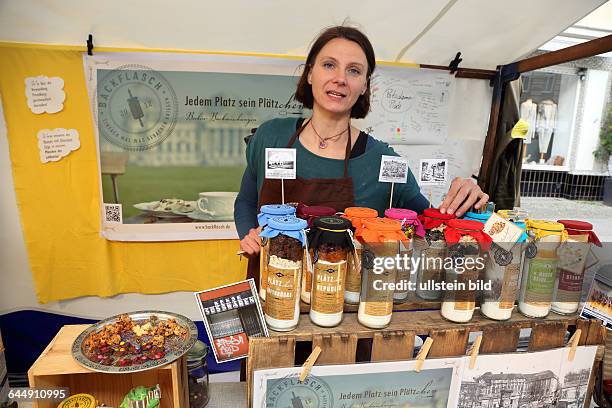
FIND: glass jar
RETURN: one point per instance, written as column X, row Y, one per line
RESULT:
column 503, row 271
column 309, row 213
column 431, row 271
column 411, row 226
column 287, row 239
column 467, row 242
column 357, row 216
column 197, row 375
column 540, row 267
column 572, row 264
column 265, row 213
column 381, row 238
column 331, row 242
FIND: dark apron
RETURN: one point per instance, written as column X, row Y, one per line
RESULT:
column 336, row 193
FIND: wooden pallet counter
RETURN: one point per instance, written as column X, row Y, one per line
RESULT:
column 350, row 341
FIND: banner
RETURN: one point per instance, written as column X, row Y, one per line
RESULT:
column 170, row 132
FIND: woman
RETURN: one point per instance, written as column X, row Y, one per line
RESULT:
column 337, row 164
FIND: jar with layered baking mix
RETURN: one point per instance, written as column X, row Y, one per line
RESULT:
column 573, row 256
column 540, row 267
column 265, row 213
column 431, row 270
column 287, row 239
column 309, row 213
column 503, row 272
column 411, row 227
column 381, row 239
column 466, row 244
column 331, row 241
column 357, row 216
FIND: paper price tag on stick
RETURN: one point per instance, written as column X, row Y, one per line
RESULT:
column 280, row 163
column 393, row 169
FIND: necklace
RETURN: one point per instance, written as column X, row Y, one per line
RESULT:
column 323, row 140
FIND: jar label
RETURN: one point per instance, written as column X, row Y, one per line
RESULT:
column 403, row 274
column 432, row 267
column 377, row 297
column 282, row 292
column 263, row 266
column 569, row 288
column 540, row 279
column 353, row 274
column 464, row 297
column 509, row 286
column 328, row 288
column 307, row 275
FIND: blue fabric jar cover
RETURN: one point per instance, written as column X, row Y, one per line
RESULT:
column 273, row 210
column 287, row 225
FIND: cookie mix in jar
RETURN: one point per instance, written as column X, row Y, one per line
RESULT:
column 466, row 243
column 265, row 213
column 504, row 266
column 331, row 241
column 381, row 239
column 431, row 270
column 287, row 239
column 357, row 216
column 309, row 213
column 540, row 267
column 411, row 226
column 573, row 256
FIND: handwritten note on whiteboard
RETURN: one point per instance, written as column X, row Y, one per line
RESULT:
column 409, row 106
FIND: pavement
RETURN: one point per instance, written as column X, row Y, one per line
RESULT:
column 595, row 212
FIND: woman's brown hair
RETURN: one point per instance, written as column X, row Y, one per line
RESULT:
column 303, row 92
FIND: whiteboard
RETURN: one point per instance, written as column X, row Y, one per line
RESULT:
column 409, row 105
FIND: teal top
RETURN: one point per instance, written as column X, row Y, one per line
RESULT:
column 363, row 169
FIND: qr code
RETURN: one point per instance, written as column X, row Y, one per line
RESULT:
column 112, row 213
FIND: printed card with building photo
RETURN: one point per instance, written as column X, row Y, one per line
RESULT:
column 393, row 169
column 433, row 171
column 231, row 315
column 513, row 380
column 280, row 163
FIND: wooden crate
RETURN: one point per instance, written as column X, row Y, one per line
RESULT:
column 396, row 342
column 55, row 367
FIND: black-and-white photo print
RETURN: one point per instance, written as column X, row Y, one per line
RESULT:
column 393, row 169
column 528, row 380
column 280, row 163
column 433, row 171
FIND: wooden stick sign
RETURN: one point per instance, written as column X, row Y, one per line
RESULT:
column 433, row 172
column 393, row 169
column 281, row 164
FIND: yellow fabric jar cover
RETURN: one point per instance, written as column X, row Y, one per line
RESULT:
column 543, row 228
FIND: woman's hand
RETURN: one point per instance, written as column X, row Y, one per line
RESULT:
column 462, row 195
column 251, row 243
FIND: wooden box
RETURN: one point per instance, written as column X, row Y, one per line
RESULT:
column 56, row 368
column 350, row 342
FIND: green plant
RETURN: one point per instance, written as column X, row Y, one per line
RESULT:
column 604, row 150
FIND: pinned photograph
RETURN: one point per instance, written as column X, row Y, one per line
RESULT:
column 231, row 315
column 280, row 163
column 433, row 171
column 393, row 169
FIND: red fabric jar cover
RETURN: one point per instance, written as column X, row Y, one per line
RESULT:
column 455, row 229
column 310, row 212
column 575, row 227
column 432, row 218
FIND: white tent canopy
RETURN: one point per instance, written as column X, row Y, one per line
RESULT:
column 488, row 33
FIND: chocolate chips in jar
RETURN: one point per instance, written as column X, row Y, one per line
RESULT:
column 286, row 247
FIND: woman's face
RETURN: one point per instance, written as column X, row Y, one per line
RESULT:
column 338, row 76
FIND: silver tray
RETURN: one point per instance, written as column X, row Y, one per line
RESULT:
column 175, row 351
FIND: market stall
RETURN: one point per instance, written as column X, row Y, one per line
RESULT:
column 146, row 214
